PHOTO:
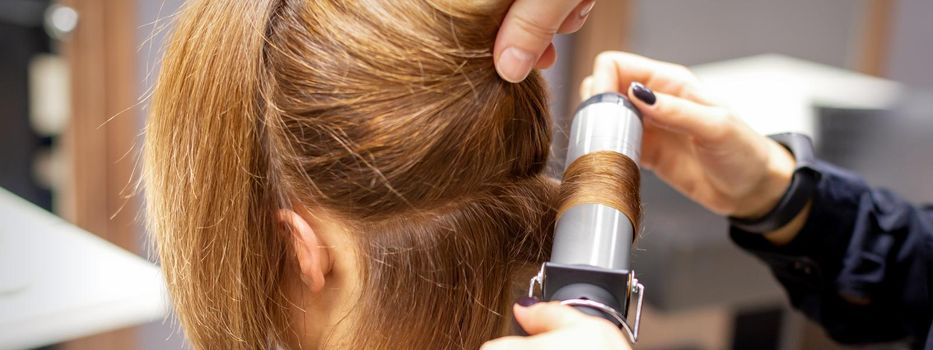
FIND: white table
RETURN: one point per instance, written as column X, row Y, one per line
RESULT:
column 58, row 282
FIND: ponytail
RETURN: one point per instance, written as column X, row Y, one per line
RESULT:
column 207, row 181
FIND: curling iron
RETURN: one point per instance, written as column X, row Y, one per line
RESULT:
column 590, row 267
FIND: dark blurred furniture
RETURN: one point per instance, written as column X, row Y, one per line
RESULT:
column 21, row 37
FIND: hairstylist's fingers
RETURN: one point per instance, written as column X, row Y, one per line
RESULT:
column 605, row 76
column 547, row 58
column 510, row 343
column 580, row 338
column 546, row 317
column 555, row 326
column 577, row 17
column 539, row 342
column 615, row 71
column 705, row 123
column 586, row 88
column 525, row 34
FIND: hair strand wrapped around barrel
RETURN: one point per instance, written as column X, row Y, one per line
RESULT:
column 603, row 177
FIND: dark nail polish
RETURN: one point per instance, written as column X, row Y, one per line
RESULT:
column 526, row 301
column 643, row 93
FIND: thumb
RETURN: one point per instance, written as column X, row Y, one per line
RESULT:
column 525, row 34
column 546, row 317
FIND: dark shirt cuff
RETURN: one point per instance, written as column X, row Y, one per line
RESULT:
column 814, row 257
column 860, row 264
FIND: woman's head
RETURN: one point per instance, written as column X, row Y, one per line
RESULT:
column 299, row 147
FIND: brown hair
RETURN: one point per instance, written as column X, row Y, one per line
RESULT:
column 386, row 114
column 604, row 177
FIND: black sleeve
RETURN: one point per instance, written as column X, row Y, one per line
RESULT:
column 862, row 265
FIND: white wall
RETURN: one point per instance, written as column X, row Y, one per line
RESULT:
column 701, row 31
column 911, row 48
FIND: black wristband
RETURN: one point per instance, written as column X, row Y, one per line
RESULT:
column 802, row 185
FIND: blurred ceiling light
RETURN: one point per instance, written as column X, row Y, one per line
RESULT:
column 60, row 21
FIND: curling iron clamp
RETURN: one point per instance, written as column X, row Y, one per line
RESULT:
column 590, row 267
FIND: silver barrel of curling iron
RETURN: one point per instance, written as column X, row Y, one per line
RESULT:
column 597, row 234
column 590, row 267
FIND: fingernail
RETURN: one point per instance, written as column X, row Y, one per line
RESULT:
column 515, row 64
column 586, row 10
column 643, row 93
column 526, row 301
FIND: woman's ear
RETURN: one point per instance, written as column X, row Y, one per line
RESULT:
column 313, row 255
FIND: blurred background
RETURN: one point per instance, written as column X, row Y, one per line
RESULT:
column 75, row 77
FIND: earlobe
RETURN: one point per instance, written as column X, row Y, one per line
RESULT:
column 311, row 252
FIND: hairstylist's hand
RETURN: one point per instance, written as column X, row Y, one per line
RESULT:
column 559, row 327
column 524, row 39
column 693, row 142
